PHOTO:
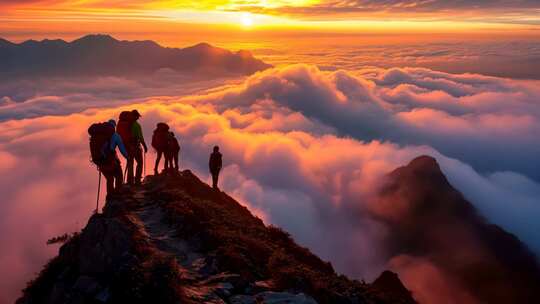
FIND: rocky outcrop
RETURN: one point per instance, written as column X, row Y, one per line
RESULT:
column 176, row 240
column 430, row 220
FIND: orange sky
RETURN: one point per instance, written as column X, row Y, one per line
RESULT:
column 41, row 17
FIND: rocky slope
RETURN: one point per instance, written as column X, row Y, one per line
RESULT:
column 431, row 221
column 175, row 240
column 94, row 55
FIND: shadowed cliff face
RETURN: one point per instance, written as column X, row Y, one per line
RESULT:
column 176, row 240
column 435, row 230
column 94, row 55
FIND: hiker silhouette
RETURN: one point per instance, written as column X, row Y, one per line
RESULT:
column 215, row 163
column 131, row 133
column 103, row 143
column 171, row 154
column 160, row 140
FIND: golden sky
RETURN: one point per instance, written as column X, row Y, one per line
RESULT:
column 394, row 16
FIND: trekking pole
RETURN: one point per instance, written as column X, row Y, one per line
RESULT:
column 98, row 191
column 144, row 164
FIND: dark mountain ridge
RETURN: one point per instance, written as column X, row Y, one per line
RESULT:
column 104, row 55
column 176, row 240
column 432, row 220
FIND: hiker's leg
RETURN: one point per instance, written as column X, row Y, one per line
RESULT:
column 118, row 176
column 139, row 160
column 158, row 159
column 110, row 182
column 215, row 176
column 176, row 161
column 166, row 161
column 130, row 161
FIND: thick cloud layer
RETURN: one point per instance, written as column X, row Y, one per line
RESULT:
column 487, row 122
column 285, row 157
column 35, row 97
column 517, row 59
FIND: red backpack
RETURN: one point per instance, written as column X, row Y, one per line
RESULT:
column 100, row 138
column 160, row 137
column 124, row 127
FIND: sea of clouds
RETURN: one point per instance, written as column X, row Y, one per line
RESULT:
column 303, row 149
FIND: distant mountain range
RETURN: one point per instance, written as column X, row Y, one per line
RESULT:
column 104, row 55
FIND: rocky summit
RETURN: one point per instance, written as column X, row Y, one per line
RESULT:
column 176, row 240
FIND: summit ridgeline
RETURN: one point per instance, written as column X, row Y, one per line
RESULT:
column 176, row 240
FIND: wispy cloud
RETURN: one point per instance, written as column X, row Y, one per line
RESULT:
column 497, row 11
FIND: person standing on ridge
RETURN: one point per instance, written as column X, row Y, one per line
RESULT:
column 103, row 143
column 171, row 156
column 138, row 140
column 131, row 133
column 215, row 163
column 160, row 140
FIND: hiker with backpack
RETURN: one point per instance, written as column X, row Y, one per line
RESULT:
column 160, row 140
column 131, row 132
column 103, row 143
column 215, row 163
column 171, row 155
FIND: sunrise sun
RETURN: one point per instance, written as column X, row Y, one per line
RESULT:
column 247, row 20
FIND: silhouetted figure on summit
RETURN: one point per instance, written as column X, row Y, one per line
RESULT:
column 215, row 164
column 103, row 143
column 160, row 141
column 132, row 136
column 171, row 155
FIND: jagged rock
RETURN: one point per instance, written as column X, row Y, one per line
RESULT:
column 86, row 285
column 223, row 289
column 260, row 286
column 103, row 296
column 235, row 280
column 205, row 265
column 104, row 244
column 270, row 297
column 203, row 294
column 242, row 299
column 389, row 282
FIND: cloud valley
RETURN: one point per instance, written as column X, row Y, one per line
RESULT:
column 303, row 148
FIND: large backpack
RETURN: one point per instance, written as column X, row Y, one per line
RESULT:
column 100, row 138
column 124, row 127
column 160, row 137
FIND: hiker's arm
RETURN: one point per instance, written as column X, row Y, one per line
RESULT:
column 144, row 146
column 137, row 132
column 118, row 142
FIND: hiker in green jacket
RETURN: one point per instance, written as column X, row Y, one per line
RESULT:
column 138, row 140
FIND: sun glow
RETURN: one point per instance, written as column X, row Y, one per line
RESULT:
column 247, row 20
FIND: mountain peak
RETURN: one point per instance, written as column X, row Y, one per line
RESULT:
column 424, row 163
column 175, row 239
column 5, row 42
column 423, row 170
column 96, row 38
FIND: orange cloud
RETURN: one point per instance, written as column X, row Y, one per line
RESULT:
column 292, row 152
